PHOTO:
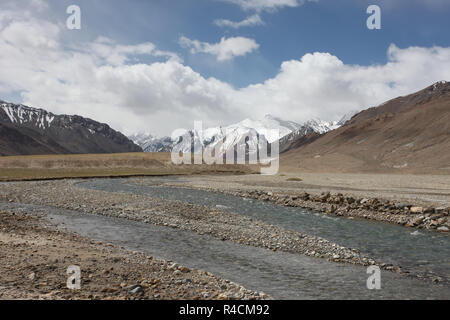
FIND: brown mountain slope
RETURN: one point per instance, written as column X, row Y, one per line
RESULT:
column 31, row 131
column 405, row 135
column 14, row 141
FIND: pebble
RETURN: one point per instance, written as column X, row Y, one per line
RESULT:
column 136, row 289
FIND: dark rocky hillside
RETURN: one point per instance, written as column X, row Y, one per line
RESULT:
column 30, row 131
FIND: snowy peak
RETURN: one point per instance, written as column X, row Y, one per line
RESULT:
column 269, row 128
column 320, row 126
column 439, row 85
column 314, row 126
column 20, row 114
column 291, row 125
column 142, row 139
column 150, row 143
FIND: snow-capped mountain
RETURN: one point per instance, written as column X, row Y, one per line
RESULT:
column 144, row 140
column 209, row 137
column 267, row 125
column 269, row 128
column 23, row 115
column 313, row 126
column 320, row 126
column 163, row 144
column 150, row 143
column 25, row 130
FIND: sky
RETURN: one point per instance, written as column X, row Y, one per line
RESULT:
column 155, row 65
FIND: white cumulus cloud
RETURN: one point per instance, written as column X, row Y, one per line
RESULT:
column 226, row 49
column 253, row 20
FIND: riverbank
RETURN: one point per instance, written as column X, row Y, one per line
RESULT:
column 34, row 257
column 421, row 201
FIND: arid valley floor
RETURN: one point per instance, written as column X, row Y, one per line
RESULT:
column 36, row 250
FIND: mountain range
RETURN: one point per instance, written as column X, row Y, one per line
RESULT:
column 409, row 134
column 31, row 131
column 285, row 131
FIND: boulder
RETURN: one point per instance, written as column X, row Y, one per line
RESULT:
column 415, row 222
column 416, row 210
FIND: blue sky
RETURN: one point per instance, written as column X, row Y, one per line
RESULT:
column 337, row 27
column 155, row 65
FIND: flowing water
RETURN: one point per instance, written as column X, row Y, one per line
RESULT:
column 282, row 275
column 416, row 251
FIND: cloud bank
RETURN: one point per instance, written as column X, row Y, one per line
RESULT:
column 105, row 80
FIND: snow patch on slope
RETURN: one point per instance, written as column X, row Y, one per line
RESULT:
column 21, row 114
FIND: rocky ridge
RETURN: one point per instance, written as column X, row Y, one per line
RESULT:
column 30, row 131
